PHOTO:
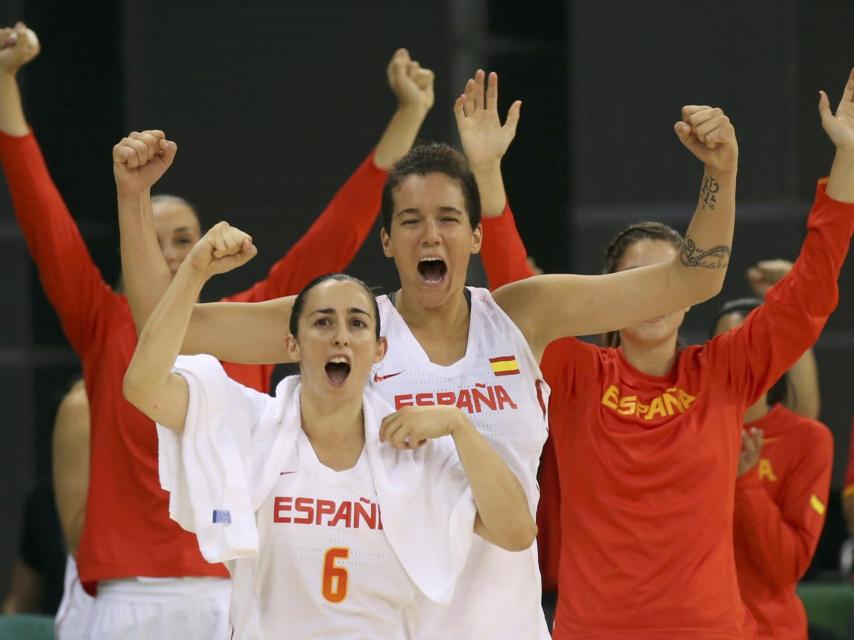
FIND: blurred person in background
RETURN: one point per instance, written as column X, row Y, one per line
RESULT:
column 148, row 572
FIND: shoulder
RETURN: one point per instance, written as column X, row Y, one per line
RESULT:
column 814, row 438
column 72, row 417
column 75, row 403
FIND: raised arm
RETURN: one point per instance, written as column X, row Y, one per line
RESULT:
column 803, row 395
column 71, row 281
column 485, row 142
column 333, row 240
column 503, row 514
column 149, row 383
column 774, row 336
column 549, row 307
column 71, row 436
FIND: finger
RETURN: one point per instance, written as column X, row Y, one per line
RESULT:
column 479, row 90
column 123, row 154
column 459, row 110
column 824, row 107
column 413, row 68
column 11, row 39
column 848, row 92
column 469, row 103
column 168, row 149
column 699, row 118
column 690, row 109
column 492, row 92
column 687, row 138
column 724, row 134
column 425, row 78
column 513, row 117
column 387, row 425
column 232, row 262
column 150, row 141
column 397, row 436
column 397, row 66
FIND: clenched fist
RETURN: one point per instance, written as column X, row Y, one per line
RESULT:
column 710, row 136
column 412, row 85
column 221, row 249
column 18, row 46
column 141, row 159
column 765, row 274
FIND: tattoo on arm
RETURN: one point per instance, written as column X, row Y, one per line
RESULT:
column 692, row 256
column 708, row 198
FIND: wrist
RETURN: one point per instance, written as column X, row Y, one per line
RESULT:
column 413, row 110
column 459, row 424
column 131, row 195
column 191, row 275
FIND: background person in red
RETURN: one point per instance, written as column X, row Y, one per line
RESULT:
column 780, row 499
column 647, row 435
column 127, row 530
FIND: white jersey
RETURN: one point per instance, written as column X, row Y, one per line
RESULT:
column 499, row 385
column 310, row 552
column 324, row 560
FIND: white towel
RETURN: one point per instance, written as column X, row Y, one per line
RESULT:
column 235, row 440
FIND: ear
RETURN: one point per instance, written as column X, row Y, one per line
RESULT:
column 292, row 348
column 382, row 349
column 476, row 239
column 385, row 239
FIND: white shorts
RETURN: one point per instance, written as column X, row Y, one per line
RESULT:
column 72, row 618
column 161, row 609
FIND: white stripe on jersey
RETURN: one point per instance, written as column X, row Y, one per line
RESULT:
column 325, row 566
column 499, row 384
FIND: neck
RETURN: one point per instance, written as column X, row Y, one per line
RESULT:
column 333, row 426
column 759, row 410
column 451, row 313
column 654, row 360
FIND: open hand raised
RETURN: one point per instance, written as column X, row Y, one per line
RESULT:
column 839, row 127
column 485, row 140
column 751, row 448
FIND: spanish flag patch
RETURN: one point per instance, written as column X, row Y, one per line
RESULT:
column 504, row 366
column 817, row 504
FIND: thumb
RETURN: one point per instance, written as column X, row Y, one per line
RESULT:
column 685, row 134
column 459, row 113
column 824, row 107
column 168, row 149
column 513, row 116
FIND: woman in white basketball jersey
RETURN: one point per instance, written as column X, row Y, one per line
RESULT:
column 326, row 531
column 452, row 345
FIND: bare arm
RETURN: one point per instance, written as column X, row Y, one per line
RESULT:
column 553, row 306
column 149, row 383
column 139, row 161
column 71, row 434
column 17, row 47
column 503, row 514
column 25, row 590
column 413, row 87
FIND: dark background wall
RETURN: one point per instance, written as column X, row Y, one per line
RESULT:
column 274, row 104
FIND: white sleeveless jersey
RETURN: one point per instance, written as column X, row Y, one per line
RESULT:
column 325, row 566
column 499, row 385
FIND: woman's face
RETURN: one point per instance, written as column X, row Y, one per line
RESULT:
column 177, row 229
column 654, row 331
column 431, row 239
column 337, row 344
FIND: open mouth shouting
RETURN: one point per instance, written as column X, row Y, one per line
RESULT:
column 337, row 371
column 432, row 270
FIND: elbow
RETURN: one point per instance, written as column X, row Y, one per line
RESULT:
column 521, row 537
column 133, row 389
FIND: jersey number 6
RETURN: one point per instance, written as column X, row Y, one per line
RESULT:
column 334, row 577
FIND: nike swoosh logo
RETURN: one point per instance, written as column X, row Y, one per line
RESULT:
column 284, row 473
column 379, row 378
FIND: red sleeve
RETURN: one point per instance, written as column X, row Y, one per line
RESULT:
column 570, row 365
column 503, row 253
column 848, row 489
column 70, row 279
column 772, row 338
column 332, row 241
column 782, row 538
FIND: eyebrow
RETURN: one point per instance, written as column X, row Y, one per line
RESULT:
column 445, row 209
column 350, row 310
column 181, row 229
